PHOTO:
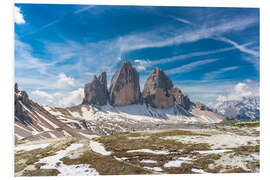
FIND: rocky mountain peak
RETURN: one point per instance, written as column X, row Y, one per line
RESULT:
column 181, row 98
column 96, row 92
column 157, row 90
column 21, row 97
column 124, row 87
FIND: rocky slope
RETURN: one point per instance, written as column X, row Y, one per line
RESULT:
column 246, row 108
column 33, row 122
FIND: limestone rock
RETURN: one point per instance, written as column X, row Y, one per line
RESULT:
column 157, row 90
column 181, row 98
column 96, row 92
column 202, row 106
column 125, row 87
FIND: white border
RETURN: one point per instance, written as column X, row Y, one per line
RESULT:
column 7, row 80
column 209, row 3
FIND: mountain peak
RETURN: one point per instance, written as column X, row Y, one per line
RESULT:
column 96, row 92
column 125, row 88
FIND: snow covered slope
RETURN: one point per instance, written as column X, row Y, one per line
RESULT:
column 33, row 122
column 104, row 120
column 246, row 108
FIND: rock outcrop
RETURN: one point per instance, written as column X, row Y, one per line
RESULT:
column 125, row 87
column 202, row 106
column 96, row 92
column 20, row 98
column 181, row 98
column 158, row 89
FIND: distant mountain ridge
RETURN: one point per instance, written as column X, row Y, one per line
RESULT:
column 246, row 108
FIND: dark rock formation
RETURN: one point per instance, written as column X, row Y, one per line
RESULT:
column 96, row 92
column 202, row 106
column 181, row 98
column 21, row 98
column 158, row 90
column 125, row 87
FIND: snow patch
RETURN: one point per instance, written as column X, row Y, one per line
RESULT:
column 99, row 148
column 153, row 168
column 31, row 147
column 214, row 151
column 89, row 136
column 67, row 170
column 121, row 159
column 198, row 171
column 148, row 161
column 216, row 141
column 161, row 152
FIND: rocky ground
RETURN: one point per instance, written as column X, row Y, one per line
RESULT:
column 184, row 150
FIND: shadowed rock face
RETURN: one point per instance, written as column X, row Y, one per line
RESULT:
column 181, row 98
column 96, row 92
column 125, row 88
column 21, row 97
column 158, row 90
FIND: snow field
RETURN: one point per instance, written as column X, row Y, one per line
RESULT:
column 51, row 162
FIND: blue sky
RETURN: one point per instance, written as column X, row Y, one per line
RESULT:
column 211, row 54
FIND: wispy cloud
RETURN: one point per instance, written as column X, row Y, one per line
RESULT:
column 190, row 67
column 242, row 48
column 151, row 39
column 18, row 16
column 84, row 9
column 185, row 21
column 214, row 74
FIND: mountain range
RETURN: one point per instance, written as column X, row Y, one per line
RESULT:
column 246, row 108
column 119, row 108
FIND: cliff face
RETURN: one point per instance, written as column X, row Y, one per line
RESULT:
column 181, row 98
column 125, row 87
column 157, row 90
column 96, row 92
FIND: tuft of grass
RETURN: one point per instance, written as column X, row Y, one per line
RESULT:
column 247, row 124
column 204, row 161
column 41, row 172
column 236, row 170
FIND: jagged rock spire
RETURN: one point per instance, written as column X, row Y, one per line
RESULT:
column 96, row 92
column 157, row 90
column 125, row 87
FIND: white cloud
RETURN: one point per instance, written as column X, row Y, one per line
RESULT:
column 242, row 89
column 189, row 67
column 65, row 81
column 43, row 94
column 18, row 16
column 59, row 99
column 141, row 65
